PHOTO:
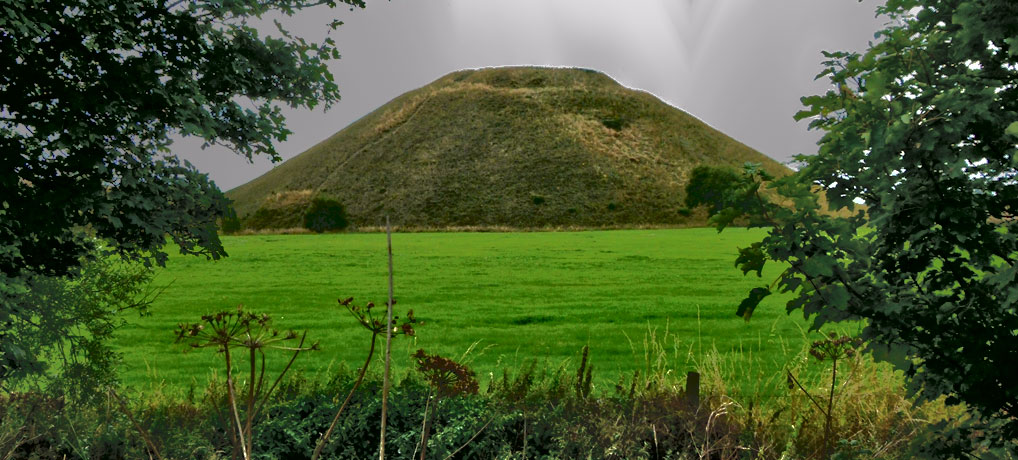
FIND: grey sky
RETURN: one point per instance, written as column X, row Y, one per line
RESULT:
column 738, row 65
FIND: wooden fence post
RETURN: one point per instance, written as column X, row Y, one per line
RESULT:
column 693, row 389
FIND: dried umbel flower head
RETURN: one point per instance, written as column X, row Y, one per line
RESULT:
column 366, row 317
column 834, row 347
column 236, row 329
column 448, row 377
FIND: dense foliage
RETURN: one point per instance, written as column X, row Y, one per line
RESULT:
column 325, row 214
column 64, row 324
column 710, row 186
column 922, row 130
column 92, row 93
column 533, row 412
column 230, row 223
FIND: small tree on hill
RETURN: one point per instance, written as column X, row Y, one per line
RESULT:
column 325, row 214
column 710, row 186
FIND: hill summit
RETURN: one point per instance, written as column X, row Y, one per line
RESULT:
column 514, row 146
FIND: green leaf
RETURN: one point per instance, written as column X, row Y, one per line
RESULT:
column 819, row 265
column 751, row 259
column 837, row 296
column 751, row 302
column 1012, row 129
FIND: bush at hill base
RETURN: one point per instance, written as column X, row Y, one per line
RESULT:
column 325, row 214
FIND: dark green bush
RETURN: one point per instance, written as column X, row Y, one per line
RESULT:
column 62, row 327
column 712, row 187
column 615, row 123
column 325, row 214
column 230, row 223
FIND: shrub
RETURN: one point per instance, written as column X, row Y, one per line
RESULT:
column 712, row 187
column 230, row 223
column 532, row 412
column 325, row 214
column 60, row 329
column 615, row 123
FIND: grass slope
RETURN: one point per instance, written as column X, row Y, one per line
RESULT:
column 512, row 297
column 515, row 146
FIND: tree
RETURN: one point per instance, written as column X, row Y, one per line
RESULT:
column 709, row 185
column 922, row 131
column 68, row 321
column 92, row 93
column 324, row 214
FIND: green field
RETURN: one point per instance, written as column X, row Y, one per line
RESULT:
column 511, row 297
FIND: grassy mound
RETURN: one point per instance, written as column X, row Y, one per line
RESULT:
column 516, row 147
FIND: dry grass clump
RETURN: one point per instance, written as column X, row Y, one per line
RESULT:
column 873, row 416
column 281, row 211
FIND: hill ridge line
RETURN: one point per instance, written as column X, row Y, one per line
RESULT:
column 514, row 147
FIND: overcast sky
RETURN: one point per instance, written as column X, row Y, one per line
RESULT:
column 739, row 65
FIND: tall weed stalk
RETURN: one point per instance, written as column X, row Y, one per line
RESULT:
column 377, row 327
column 250, row 334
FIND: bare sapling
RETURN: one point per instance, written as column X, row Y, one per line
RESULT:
column 388, row 348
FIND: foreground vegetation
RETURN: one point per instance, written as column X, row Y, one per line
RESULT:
column 534, row 412
column 506, row 297
column 920, row 129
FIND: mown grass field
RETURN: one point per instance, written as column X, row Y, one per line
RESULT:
column 509, row 298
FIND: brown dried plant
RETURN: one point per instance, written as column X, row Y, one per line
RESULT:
column 447, row 378
column 250, row 334
column 377, row 328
